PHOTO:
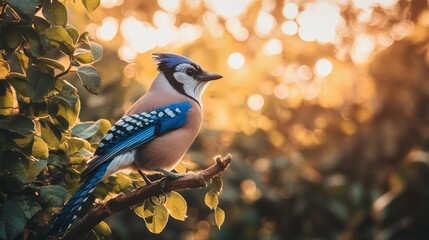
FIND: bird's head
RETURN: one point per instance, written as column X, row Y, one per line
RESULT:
column 184, row 75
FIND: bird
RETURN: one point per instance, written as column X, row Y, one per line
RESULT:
column 152, row 136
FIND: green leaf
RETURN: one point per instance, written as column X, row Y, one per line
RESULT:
column 55, row 12
column 18, row 124
column 50, row 134
column 52, row 196
column 62, row 114
column 12, row 220
column 52, row 63
column 39, row 84
column 27, row 7
column 69, row 98
column 155, row 217
column 90, row 78
column 96, row 50
column 65, row 87
column 219, row 217
column 85, row 130
column 4, row 69
column 40, row 24
column 104, row 127
column 12, row 37
column 40, row 148
column 18, row 170
column 176, row 205
column 35, row 168
column 58, row 34
column 38, row 109
column 102, row 231
column 180, row 167
column 12, row 183
column 90, row 5
column 216, row 184
column 7, row 99
column 74, row 34
column 33, row 39
column 29, row 207
column 83, row 55
column 19, row 82
column 77, row 144
column 24, row 142
column 83, row 38
column 211, row 200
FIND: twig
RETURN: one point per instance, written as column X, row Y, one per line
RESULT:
column 106, row 209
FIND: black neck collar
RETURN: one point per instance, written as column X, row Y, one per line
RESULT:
column 178, row 86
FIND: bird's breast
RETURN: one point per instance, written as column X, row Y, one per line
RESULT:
column 167, row 150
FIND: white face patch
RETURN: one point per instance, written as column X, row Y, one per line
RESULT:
column 192, row 87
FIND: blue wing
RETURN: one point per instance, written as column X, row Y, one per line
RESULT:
column 135, row 130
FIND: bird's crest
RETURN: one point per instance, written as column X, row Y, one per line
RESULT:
column 169, row 60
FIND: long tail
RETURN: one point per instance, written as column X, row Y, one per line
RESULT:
column 68, row 214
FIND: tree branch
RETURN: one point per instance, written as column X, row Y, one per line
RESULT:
column 108, row 208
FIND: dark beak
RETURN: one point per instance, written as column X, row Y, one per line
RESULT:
column 208, row 76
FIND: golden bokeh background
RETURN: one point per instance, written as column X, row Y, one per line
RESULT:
column 323, row 104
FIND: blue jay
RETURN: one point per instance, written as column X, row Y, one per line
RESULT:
column 154, row 133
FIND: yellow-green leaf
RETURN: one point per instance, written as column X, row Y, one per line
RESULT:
column 76, row 144
column 96, row 50
column 91, row 5
column 180, row 168
column 7, row 99
column 12, row 37
column 211, row 200
column 56, row 13
column 62, row 114
column 176, row 206
column 40, row 148
column 219, row 217
column 4, row 69
column 216, row 184
column 102, row 231
column 50, row 134
column 155, row 217
column 25, row 141
column 35, row 168
column 52, row 63
column 90, row 78
column 83, row 55
column 58, row 34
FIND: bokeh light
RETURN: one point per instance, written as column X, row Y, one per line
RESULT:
column 319, row 21
column 227, row 8
column 290, row 10
column 305, row 87
column 255, row 102
column 236, row 60
column 290, row 27
column 304, row 72
column 323, row 67
column 108, row 29
column 265, row 24
column 172, row 6
column 111, row 3
column 273, row 46
column 281, row 91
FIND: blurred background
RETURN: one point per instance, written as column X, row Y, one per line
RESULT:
column 324, row 106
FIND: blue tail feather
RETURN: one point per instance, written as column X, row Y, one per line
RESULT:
column 68, row 214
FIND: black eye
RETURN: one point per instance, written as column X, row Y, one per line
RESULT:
column 190, row 72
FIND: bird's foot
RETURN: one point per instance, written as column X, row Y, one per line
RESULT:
column 145, row 178
column 170, row 174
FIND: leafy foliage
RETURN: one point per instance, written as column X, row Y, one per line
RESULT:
column 42, row 150
column 43, row 145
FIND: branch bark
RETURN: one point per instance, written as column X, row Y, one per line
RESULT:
column 108, row 208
